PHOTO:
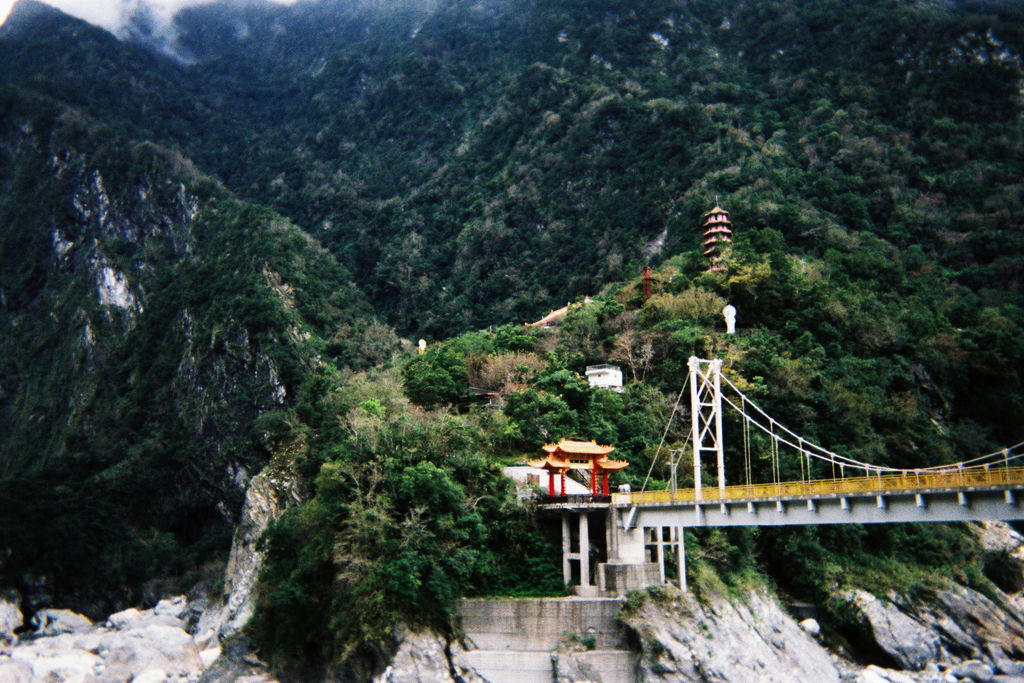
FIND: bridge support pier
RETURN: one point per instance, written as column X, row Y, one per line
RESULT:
column 673, row 538
column 581, row 554
column 566, row 549
column 629, row 566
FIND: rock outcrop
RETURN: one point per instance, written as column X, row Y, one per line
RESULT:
column 268, row 494
column 1000, row 537
column 10, row 620
column 909, row 643
column 686, row 639
column 266, row 498
column 425, row 656
column 954, row 625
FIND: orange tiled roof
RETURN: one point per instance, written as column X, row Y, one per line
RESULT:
column 559, row 463
column 588, row 448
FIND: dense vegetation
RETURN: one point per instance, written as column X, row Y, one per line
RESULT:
column 439, row 167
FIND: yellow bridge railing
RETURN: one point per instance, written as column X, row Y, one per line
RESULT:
column 886, row 483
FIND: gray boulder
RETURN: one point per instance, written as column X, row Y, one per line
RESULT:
column 812, row 627
column 911, row 645
column 150, row 676
column 51, row 622
column 52, row 663
column 125, row 619
column 14, row 671
column 876, row 674
column 147, row 648
column 175, row 607
column 133, row 618
column 973, row 670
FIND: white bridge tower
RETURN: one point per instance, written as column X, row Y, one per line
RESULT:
column 706, row 412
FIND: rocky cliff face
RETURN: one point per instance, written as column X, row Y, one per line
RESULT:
column 83, row 240
column 146, row 321
column 956, row 624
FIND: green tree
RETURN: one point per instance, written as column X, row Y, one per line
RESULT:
column 437, row 377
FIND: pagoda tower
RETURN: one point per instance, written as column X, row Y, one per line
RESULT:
column 717, row 232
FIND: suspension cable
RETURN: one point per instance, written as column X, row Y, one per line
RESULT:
column 774, row 450
column 828, row 455
column 746, row 450
column 664, row 434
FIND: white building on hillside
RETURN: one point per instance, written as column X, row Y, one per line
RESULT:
column 605, row 377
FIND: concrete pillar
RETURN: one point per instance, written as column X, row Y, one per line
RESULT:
column 659, row 532
column 584, row 550
column 566, row 540
column 630, row 545
column 681, row 556
column 611, row 533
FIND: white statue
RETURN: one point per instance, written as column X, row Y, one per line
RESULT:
column 730, row 319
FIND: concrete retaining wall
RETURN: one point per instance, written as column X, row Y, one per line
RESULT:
column 539, row 624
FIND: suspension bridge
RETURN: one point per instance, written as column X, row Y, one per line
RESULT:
column 644, row 530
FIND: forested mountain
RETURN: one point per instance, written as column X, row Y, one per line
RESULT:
column 542, row 149
column 207, row 237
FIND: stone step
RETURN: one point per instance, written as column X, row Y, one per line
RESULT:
column 533, row 666
column 511, row 666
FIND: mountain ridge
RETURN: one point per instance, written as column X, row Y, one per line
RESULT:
column 205, row 266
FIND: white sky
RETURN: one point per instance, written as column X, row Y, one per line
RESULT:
column 107, row 13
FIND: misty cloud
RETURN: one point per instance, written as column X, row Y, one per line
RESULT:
column 115, row 15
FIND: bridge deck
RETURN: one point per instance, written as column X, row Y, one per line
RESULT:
column 967, row 481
